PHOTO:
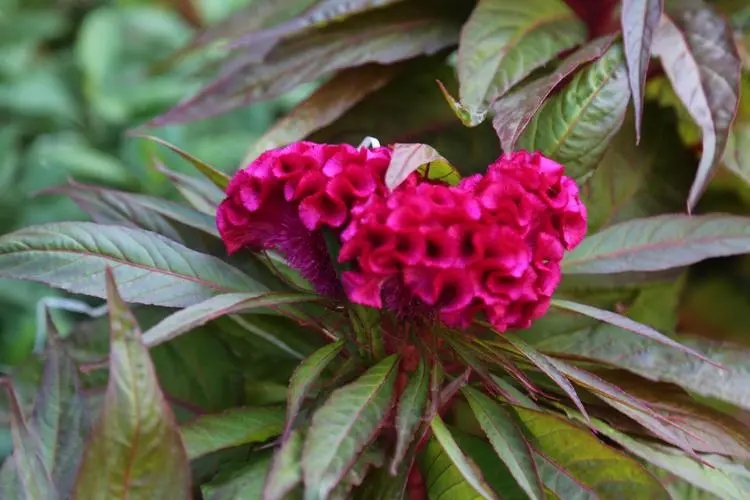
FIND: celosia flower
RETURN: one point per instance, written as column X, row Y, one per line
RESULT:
column 287, row 196
column 491, row 245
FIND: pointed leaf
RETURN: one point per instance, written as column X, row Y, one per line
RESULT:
column 463, row 472
column 610, row 474
column 576, row 125
column 411, row 409
column 286, row 468
column 305, row 376
column 514, row 112
column 219, row 179
column 699, row 56
column 201, row 313
column 135, row 450
column 625, row 323
column 560, row 482
column 658, row 243
column 213, row 432
column 639, row 20
column 244, row 483
column 197, row 191
column 441, row 477
column 408, row 158
column 74, row 255
column 548, row 368
column 346, row 422
column 503, row 42
column 507, row 440
column 328, row 103
column 377, row 38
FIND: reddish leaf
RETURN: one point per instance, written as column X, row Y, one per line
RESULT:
column 514, row 112
column 640, row 19
column 700, row 58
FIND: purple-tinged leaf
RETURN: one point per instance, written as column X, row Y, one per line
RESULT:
column 348, row 420
column 514, row 112
column 411, row 409
column 328, row 103
column 305, row 376
column 548, row 368
column 219, row 179
column 625, row 323
column 503, row 42
column 568, row 449
column 659, row 243
column 575, row 126
column 135, row 449
column 409, row 158
column 699, row 56
column 196, row 315
column 74, row 255
column 509, row 443
column 639, row 20
column 235, row 427
column 355, row 42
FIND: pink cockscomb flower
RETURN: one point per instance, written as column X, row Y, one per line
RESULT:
column 287, row 196
column 491, row 245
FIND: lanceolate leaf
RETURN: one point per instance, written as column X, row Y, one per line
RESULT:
column 658, row 243
column 589, row 461
column 455, row 470
column 135, row 450
column 506, row 438
column 342, row 427
column 699, row 56
column 305, row 376
column 378, row 39
column 625, row 323
column 74, row 255
column 219, row 179
column 246, row 482
column 514, row 111
column 286, row 468
column 561, row 482
column 639, row 19
column 411, row 409
column 576, row 125
column 328, row 103
column 199, row 314
column 409, row 158
column 198, row 191
column 502, row 42
column 235, row 427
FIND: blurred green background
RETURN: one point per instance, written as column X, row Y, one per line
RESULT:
column 75, row 75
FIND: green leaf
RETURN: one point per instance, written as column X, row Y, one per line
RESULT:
column 209, row 433
column 377, row 38
column 503, row 42
column 699, row 56
column 199, row 192
column 709, row 477
column 74, row 255
column 219, row 179
column 411, row 408
column 245, row 483
column 575, row 126
column 346, row 422
column 548, row 368
column 514, row 112
column 658, row 243
column 201, row 313
column 135, row 449
column 305, row 376
column 446, row 468
column 507, row 440
column 409, row 158
column 286, row 468
column 639, row 20
column 574, row 450
column 328, row 103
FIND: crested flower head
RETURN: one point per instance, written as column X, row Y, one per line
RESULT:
column 284, row 199
column 491, row 245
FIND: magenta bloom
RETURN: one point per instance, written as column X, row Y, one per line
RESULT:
column 287, row 196
column 491, row 245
